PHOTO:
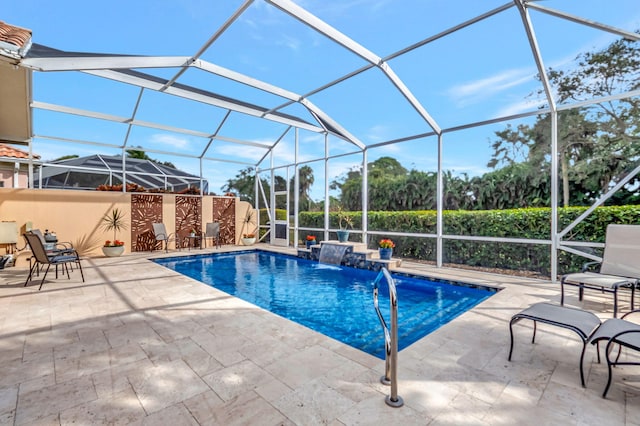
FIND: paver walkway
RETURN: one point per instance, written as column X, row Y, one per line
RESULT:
column 140, row 344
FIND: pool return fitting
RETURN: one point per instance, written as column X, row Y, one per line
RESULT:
column 390, row 338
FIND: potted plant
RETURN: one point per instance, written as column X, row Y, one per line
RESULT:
column 114, row 221
column 249, row 226
column 248, row 239
column 385, row 248
column 344, row 221
column 311, row 240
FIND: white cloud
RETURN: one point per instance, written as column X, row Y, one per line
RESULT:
column 476, row 91
column 288, row 41
column 247, row 153
column 520, row 106
column 378, row 133
column 170, row 140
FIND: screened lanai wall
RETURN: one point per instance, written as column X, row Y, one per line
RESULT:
column 334, row 86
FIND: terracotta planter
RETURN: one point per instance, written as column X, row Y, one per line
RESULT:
column 113, row 251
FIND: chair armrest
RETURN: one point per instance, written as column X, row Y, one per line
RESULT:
column 588, row 265
column 635, row 311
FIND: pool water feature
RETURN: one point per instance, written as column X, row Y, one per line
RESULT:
column 332, row 253
column 334, row 300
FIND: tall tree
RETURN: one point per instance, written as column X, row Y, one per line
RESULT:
column 243, row 185
column 615, row 147
column 597, row 144
column 305, row 180
column 137, row 152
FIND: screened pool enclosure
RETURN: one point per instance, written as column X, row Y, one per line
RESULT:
column 262, row 90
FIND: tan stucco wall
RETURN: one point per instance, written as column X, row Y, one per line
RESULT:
column 76, row 216
column 7, row 176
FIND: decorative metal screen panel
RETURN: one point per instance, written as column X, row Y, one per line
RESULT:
column 224, row 211
column 188, row 216
column 145, row 210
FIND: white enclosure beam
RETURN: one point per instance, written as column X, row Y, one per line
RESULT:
column 125, row 120
column 322, row 27
column 597, row 25
column 85, row 63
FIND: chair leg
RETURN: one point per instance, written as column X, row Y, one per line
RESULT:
column 80, row 267
column 609, row 367
column 584, row 349
column 513, row 321
column 45, row 276
column 31, row 270
column 580, row 292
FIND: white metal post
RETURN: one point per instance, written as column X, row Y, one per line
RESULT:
column 439, row 206
column 554, row 195
column 326, row 187
column 365, row 197
column 296, row 195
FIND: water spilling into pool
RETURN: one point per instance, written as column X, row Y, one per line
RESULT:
column 332, row 253
column 334, row 300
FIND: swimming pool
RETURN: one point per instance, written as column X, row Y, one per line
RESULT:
column 334, row 300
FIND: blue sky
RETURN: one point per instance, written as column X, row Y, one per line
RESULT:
column 479, row 73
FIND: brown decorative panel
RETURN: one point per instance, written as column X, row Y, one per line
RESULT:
column 224, row 211
column 188, row 216
column 145, row 210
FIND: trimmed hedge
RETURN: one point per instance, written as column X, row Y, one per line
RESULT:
column 530, row 223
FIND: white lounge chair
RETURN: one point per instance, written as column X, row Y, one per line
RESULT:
column 619, row 268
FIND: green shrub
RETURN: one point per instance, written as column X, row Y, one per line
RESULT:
column 529, row 223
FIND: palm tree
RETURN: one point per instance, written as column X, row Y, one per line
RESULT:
column 305, row 180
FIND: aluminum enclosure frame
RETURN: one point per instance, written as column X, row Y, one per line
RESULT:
column 120, row 68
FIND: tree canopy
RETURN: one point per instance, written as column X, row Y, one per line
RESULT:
column 598, row 145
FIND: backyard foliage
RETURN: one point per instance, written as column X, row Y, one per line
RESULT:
column 532, row 223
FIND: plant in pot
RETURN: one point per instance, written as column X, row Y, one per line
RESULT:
column 249, row 226
column 385, row 248
column 344, row 222
column 311, row 241
column 114, row 221
column 248, row 239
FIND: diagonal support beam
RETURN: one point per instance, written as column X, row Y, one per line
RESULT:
column 343, row 40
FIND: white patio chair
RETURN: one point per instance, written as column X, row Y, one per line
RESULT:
column 619, row 267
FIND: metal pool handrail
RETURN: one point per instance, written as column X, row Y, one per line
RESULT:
column 390, row 338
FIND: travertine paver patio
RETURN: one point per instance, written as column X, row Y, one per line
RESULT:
column 139, row 344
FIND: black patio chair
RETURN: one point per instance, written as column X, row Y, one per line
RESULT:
column 41, row 258
column 58, row 247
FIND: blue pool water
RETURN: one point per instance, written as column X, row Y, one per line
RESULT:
column 334, row 300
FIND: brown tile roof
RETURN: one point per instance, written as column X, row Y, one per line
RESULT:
column 7, row 151
column 14, row 35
